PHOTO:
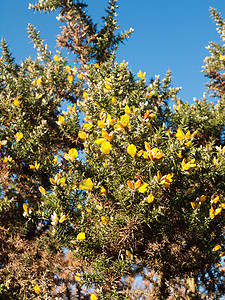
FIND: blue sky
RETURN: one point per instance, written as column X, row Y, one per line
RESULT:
column 167, row 35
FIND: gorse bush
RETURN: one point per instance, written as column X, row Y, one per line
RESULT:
column 117, row 185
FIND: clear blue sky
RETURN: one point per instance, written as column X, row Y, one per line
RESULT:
column 168, row 34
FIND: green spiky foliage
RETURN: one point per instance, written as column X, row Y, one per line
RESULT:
column 117, row 185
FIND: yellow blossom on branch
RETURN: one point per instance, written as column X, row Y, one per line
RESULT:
column 87, row 185
column 82, row 135
column 81, row 236
column 18, row 136
column 131, row 149
column 106, row 147
column 35, row 166
column 188, row 166
column 42, row 190
column 93, row 297
column 16, row 102
column 37, row 289
column 141, row 75
column 150, row 198
column 72, row 154
column 216, row 248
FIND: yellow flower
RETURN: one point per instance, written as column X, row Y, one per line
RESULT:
column 166, row 180
column 150, row 198
column 80, row 76
column 147, row 147
column 113, row 100
column 81, row 236
column 35, row 166
column 62, row 218
column 130, row 184
column 149, row 95
column 180, row 135
column 124, row 120
column 188, row 166
column 16, row 102
column 127, row 110
column 72, row 154
column 101, row 124
column 26, row 208
column 202, row 198
column 216, row 248
column 37, row 289
column 131, row 149
column 42, row 190
column 85, row 95
column 87, row 185
column 212, row 213
column 218, row 211
column 70, row 78
column 104, row 220
column 61, row 120
column 99, row 141
column 18, row 136
column 7, row 284
column 222, row 254
column 56, row 58
column 77, row 278
column 54, row 160
column 103, row 190
column 215, row 200
column 107, row 136
column 193, row 205
column 129, row 254
column 93, row 297
column 222, row 57
column 140, row 74
column 82, row 135
column 105, row 147
column 108, row 86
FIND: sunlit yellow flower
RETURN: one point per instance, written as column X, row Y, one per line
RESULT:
column 7, row 159
column 113, row 100
column 16, row 102
column 85, row 95
column 7, row 284
column 141, row 75
column 180, row 135
column 108, row 86
column 80, row 76
column 130, row 184
column 56, row 58
column 35, row 166
column 188, row 166
column 62, row 218
column 222, row 254
column 193, row 204
column 87, row 184
column 216, row 248
column 131, row 149
column 166, row 180
column 54, row 160
column 70, row 78
column 149, row 95
column 72, row 154
column 18, row 136
column 42, row 190
column 107, row 136
column 147, row 147
column 26, row 208
column 222, row 57
column 104, row 220
column 127, row 110
column 216, row 199
column 93, row 297
column 106, row 147
column 37, row 289
column 212, row 213
column 81, row 236
column 150, row 198
column 103, row 190
column 218, row 211
column 129, row 254
column 82, row 135
column 140, row 152
column 61, row 120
